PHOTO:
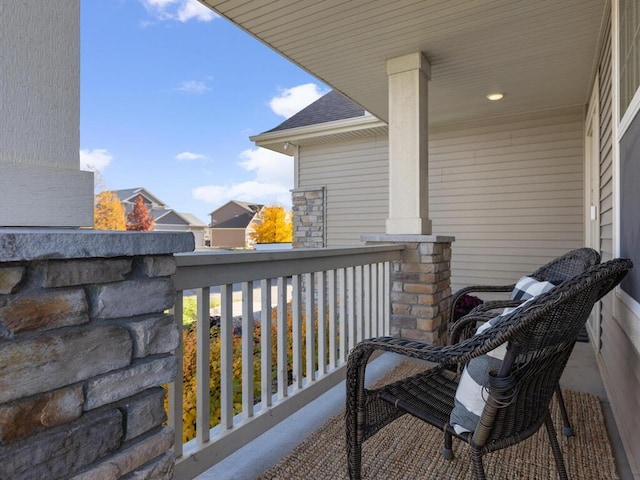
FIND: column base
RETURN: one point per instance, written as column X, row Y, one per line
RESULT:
column 415, row 226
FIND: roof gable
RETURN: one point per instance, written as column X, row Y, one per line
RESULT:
column 129, row 195
column 240, row 221
column 329, row 108
column 232, row 209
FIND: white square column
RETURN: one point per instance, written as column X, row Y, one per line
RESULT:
column 408, row 145
column 41, row 183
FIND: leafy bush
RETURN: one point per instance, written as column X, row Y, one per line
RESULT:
column 189, row 341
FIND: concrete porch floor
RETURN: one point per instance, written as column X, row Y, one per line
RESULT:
column 247, row 463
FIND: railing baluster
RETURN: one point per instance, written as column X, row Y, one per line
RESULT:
column 342, row 312
column 387, row 300
column 247, row 348
column 310, row 337
column 374, row 301
column 351, row 305
column 322, row 324
column 282, row 339
column 265, row 343
column 226, row 356
column 176, row 406
column 381, row 299
column 203, row 368
column 333, row 332
column 359, row 304
column 296, row 333
column 366, row 298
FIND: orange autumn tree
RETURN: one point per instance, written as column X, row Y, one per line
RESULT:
column 274, row 226
column 108, row 212
column 139, row 218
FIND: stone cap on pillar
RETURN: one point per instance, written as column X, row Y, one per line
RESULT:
column 407, row 238
column 25, row 244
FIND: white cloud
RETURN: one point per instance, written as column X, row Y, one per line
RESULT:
column 194, row 9
column 272, row 183
column 270, row 166
column 292, row 100
column 179, row 10
column 93, row 160
column 193, row 87
column 186, row 156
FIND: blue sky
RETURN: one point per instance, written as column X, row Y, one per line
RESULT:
column 170, row 94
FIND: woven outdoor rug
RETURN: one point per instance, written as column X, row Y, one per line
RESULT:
column 410, row 449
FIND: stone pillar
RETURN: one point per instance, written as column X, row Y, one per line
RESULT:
column 85, row 347
column 309, row 217
column 408, row 145
column 41, row 182
column 420, row 286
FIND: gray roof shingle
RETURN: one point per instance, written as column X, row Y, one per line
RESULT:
column 241, row 221
column 328, row 108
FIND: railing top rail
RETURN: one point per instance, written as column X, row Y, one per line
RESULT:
column 223, row 257
column 202, row 269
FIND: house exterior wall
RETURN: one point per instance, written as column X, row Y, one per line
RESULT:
column 228, row 238
column 619, row 353
column 510, row 190
column 355, row 174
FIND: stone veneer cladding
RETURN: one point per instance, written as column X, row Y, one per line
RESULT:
column 85, row 346
column 309, row 217
column 420, row 286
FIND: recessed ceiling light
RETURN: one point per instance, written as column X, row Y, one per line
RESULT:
column 494, row 97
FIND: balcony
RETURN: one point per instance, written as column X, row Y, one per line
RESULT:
column 299, row 383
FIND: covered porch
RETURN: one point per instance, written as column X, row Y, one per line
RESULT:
column 420, row 70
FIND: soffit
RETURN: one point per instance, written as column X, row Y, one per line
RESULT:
column 540, row 53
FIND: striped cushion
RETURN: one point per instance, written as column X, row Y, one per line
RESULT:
column 470, row 395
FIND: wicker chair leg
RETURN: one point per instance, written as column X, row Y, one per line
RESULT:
column 447, row 449
column 557, row 454
column 566, row 424
column 476, row 461
column 354, row 459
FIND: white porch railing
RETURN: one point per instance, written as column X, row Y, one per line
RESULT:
column 346, row 287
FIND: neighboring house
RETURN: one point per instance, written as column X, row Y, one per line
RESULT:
column 231, row 224
column 166, row 219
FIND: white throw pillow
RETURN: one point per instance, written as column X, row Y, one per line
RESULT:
column 470, row 395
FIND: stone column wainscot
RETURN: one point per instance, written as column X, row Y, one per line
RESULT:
column 309, row 217
column 85, row 347
column 420, row 286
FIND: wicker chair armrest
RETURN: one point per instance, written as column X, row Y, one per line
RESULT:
column 446, row 355
column 495, row 305
column 468, row 322
column 475, row 289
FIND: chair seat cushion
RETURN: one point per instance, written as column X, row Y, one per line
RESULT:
column 471, row 394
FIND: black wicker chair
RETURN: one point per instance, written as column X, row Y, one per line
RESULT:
column 539, row 338
column 557, row 271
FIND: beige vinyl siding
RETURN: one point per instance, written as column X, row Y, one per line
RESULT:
column 619, row 358
column 355, row 174
column 510, row 190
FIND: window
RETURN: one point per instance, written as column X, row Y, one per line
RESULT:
column 629, row 27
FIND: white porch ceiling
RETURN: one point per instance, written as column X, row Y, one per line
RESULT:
column 540, row 53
